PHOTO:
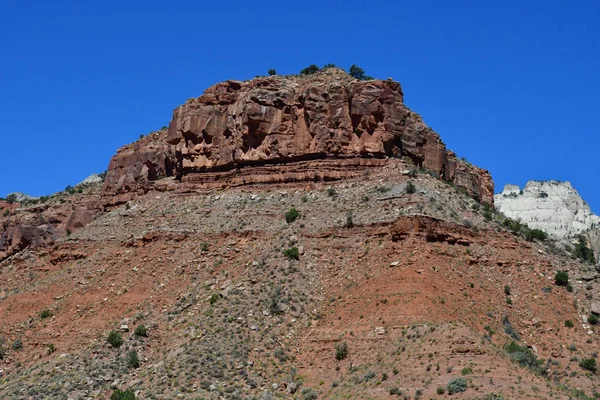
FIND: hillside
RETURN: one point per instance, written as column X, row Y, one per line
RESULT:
column 289, row 237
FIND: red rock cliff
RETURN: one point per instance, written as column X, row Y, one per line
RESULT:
column 322, row 126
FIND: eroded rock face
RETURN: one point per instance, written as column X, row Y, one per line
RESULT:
column 277, row 123
column 136, row 165
column 555, row 207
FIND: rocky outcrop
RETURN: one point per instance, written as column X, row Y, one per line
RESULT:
column 555, row 207
column 41, row 225
column 137, row 165
column 335, row 124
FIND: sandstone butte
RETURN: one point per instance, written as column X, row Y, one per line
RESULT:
column 322, row 127
column 325, row 126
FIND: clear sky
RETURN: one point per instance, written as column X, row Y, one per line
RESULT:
column 513, row 86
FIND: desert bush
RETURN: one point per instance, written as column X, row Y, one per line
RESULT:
column 204, row 247
column 507, row 290
column 311, row 69
column 45, row 314
column 291, row 215
column 589, row 364
column 331, row 192
column 119, row 394
column 583, row 252
column 536, row 234
column 561, row 278
column 349, row 220
column 358, row 73
column 341, row 351
column 214, row 298
column 309, row 394
column 50, row 348
column 272, row 72
column 593, row 320
column 141, row 331
column 133, row 361
column 525, row 357
column 292, row 253
column 457, row 385
column 509, row 330
column 466, row 371
column 17, row 344
column 410, row 187
column 115, row 339
column 440, row 390
column 395, row 391
column 569, row 323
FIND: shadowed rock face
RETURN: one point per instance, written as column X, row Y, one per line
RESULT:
column 329, row 117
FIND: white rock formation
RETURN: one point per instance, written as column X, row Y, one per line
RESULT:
column 552, row 206
column 91, row 180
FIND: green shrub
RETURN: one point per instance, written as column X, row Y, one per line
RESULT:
column 569, row 323
column 410, row 187
column 309, row 394
column 349, row 220
column 272, row 72
column 583, row 252
column 561, row 278
column 457, row 385
column 395, row 391
column 593, row 320
column 358, row 73
column 331, row 192
column 141, row 331
column 536, row 234
column 17, row 344
column 440, row 390
column 588, row 364
column 204, row 247
column 115, row 339
column 525, row 357
column 214, row 298
column 341, row 351
column 291, row 215
column 311, row 69
column 51, row 348
column 123, row 395
column 133, row 361
column 292, row 253
column 466, row 371
column 507, row 290
column 45, row 314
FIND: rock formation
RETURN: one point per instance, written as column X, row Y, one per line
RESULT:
column 552, row 206
column 318, row 127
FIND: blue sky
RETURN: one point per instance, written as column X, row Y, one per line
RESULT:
column 513, row 86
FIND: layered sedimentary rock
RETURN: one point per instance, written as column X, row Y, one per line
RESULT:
column 323, row 126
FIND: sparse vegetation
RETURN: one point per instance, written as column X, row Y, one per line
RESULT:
column 589, row 364
column 569, row 323
column 291, row 215
column 133, row 360
column 311, row 69
column 141, row 331
column 583, row 252
column 123, row 395
column 525, row 357
column 358, row 73
column 292, row 253
column 561, row 278
column 507, row 290
column 45, row 314
column 272, row 72
column 457, row 385
column 341, row 351
column 115, row 339
column 592, row 319
column 410, row 187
